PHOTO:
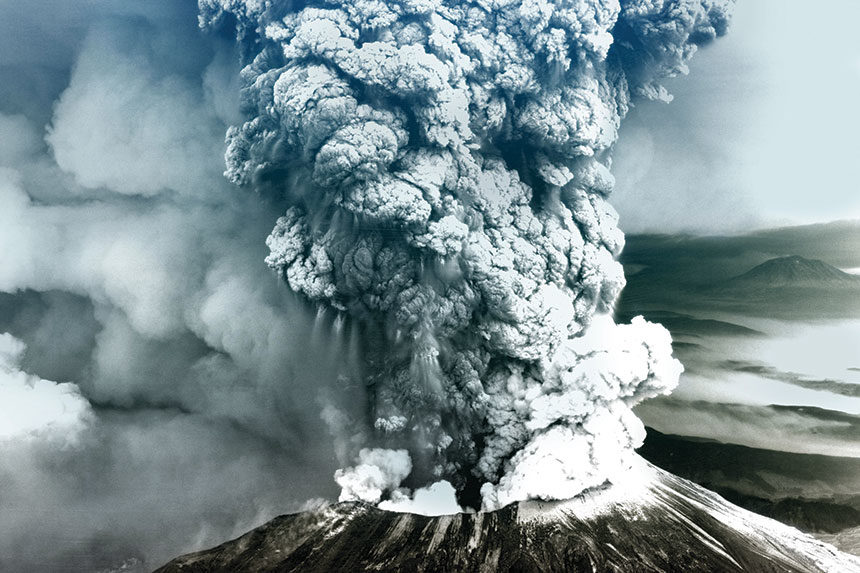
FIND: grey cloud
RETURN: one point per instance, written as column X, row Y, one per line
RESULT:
column 141, row 487
column 136, row 277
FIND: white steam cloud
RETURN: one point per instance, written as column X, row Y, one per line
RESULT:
column 32, row 408
column 378, row 470
column 446, row 170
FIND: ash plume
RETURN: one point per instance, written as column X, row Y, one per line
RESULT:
column 446, row 169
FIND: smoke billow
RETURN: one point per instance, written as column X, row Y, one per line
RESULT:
column 446, row 170
column 36, row 407
column 185, row 409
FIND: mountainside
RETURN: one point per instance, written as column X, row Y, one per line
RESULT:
column 653, row 522
column 755, row 471
column 815, row 493
column 794, row 271
column 848, row 539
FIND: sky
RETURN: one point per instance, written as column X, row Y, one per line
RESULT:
column 761, row 133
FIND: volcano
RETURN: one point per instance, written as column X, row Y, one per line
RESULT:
column 795, row 271
column 651, row 521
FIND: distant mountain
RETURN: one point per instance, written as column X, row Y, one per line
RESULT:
column 794, row 271
column 700, row 259
column 693, row 274
column 656, row 522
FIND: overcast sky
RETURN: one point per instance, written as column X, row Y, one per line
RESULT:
column 763, row 131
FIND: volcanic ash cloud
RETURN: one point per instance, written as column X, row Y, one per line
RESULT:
column 446, row 169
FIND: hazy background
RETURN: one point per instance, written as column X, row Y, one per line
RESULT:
column 767, row 326
column 763, row 131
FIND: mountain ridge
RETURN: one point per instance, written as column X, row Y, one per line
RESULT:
column 794, row 271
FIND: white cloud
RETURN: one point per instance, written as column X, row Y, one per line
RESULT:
column 125, row 125
column 377, row 472
column 439, row 498
column 36, row 409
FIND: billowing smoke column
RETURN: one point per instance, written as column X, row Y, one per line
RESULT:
column 446, row 168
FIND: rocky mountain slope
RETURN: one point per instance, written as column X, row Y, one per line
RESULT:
column 652, row 521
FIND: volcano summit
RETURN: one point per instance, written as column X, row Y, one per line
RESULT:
column 651, row 522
